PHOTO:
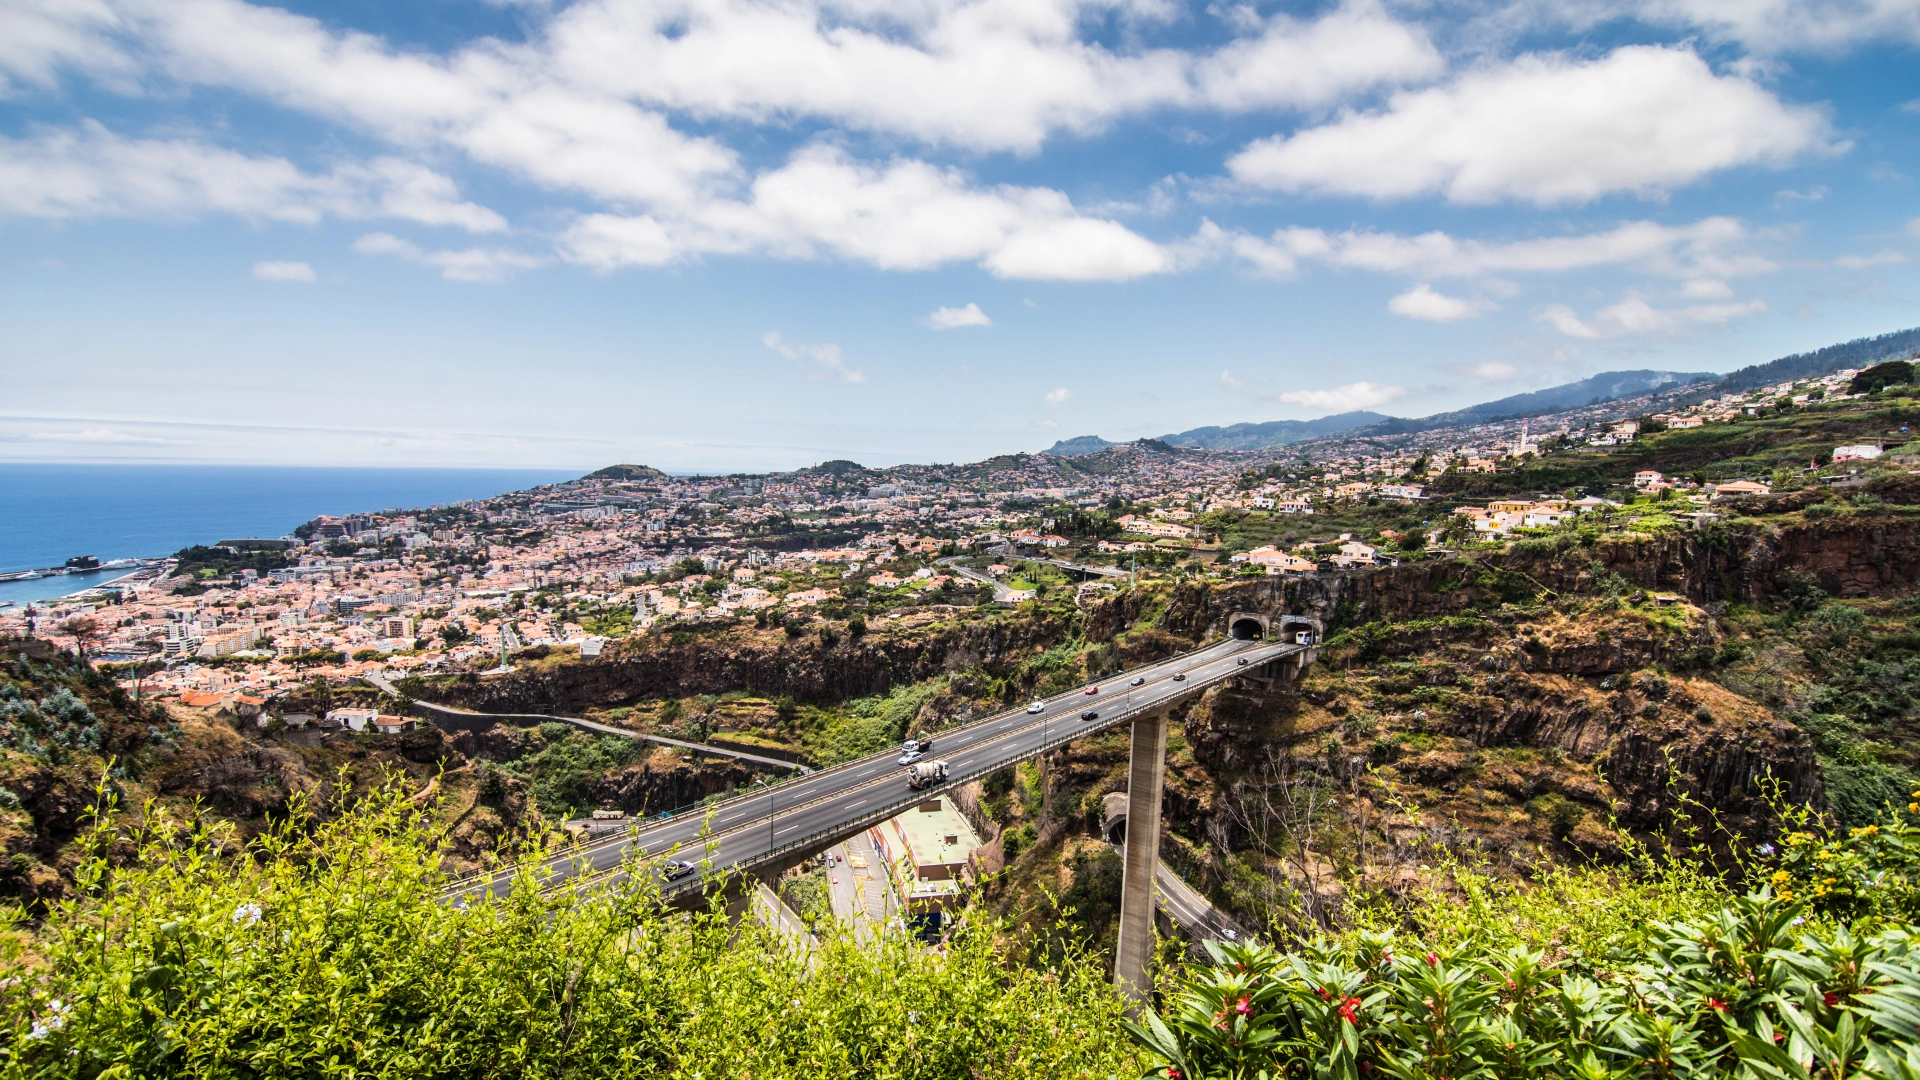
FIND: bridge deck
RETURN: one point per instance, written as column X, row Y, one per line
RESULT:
column 806, row 814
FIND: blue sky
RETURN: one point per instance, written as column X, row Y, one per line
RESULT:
column 747, row 234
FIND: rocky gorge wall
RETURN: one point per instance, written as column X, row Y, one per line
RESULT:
column 1858, row 555
column 807, row 668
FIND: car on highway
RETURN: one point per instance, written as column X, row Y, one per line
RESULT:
column 675, row 869
column 1243, row 661
column 1138, row 680
column 1179, row 676
column 909, row 757
column 1037, row 707
column 1093, row 689
column 1089, row 715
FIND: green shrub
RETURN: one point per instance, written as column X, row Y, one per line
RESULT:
column 1588, row 973
column 327, row 949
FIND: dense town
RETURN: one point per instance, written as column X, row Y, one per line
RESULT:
column 628, row 549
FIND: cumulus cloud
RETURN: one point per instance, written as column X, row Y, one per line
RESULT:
column 953, row 318
column 906, row 215
column 1546, row 130
column 1634, row 317
column 1339, row 399
column 284, row 271
column 1293, row 62
column 470, row 264
column 827, row 359
column 91, row 172
column 1888, row 257
column 1421, row 302
column 1058, row 396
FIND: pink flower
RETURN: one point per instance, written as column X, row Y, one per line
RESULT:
column 1245, row 1007
column 1432, row 960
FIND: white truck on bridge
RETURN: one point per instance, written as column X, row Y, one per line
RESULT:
column 924, row 774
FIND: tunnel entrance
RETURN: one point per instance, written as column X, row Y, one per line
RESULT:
column 1247, row 628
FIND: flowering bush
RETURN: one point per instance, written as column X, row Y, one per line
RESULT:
column 1739, row 994
column 1812, row 975
column 1871, row 872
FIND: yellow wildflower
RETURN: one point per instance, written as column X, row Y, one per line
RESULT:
column 1781, row 877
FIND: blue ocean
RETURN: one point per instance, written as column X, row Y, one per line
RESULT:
column 50, row 513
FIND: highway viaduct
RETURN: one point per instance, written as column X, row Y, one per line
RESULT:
column 774, row 827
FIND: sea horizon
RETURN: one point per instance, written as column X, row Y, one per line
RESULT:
column 51, row 512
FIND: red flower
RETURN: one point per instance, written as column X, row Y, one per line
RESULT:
column 1325, row 994
column 1432, row 960
column 1174, row 1074
column 1366, row 1066
column 1350, row 1010
column 1244, row 1007
column 1716, row 1004
column 1832, row 1000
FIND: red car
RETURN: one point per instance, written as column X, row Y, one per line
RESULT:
column 1093, row 689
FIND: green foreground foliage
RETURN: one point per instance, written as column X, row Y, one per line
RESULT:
column 328, row 950
column 1589, row 975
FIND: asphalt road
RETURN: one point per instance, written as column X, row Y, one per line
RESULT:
column 1194, row 914
column 806, row 814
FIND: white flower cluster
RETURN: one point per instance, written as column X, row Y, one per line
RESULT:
column 56, row 1019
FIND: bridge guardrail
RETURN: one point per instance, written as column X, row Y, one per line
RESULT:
column 643, row 826
column 893, row 809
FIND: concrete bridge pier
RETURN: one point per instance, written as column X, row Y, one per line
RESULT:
column 1146, row 781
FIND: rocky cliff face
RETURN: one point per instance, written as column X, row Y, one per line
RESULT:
column 1856, row 555
column 768, row 664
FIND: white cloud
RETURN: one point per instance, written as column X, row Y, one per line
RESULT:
column 1914, row 226
column 1043, row 422
column 1354, row 395
column 1634, row 317
column 1717, row 246
column 1767, row 26
column 1546, row 130
column 39, row 37
column 470, row 264
column 828, row 361
column 284, row 271
column 1059, row 396
column 994, row 75
column 1352, row 48
column 103, row 437
column 1492, row 370
column 90, row 172
column 907, row 215
column 953, row 318
column 1888, row 257
column 1786, row 196
column 1231, row 381
column 1421, row 302
column 1707, row 289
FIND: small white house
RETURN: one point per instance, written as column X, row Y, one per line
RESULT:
column 354, row 719
column 1863, row 452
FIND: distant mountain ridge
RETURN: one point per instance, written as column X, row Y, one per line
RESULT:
column 1858, row 353
column 1605, row 386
